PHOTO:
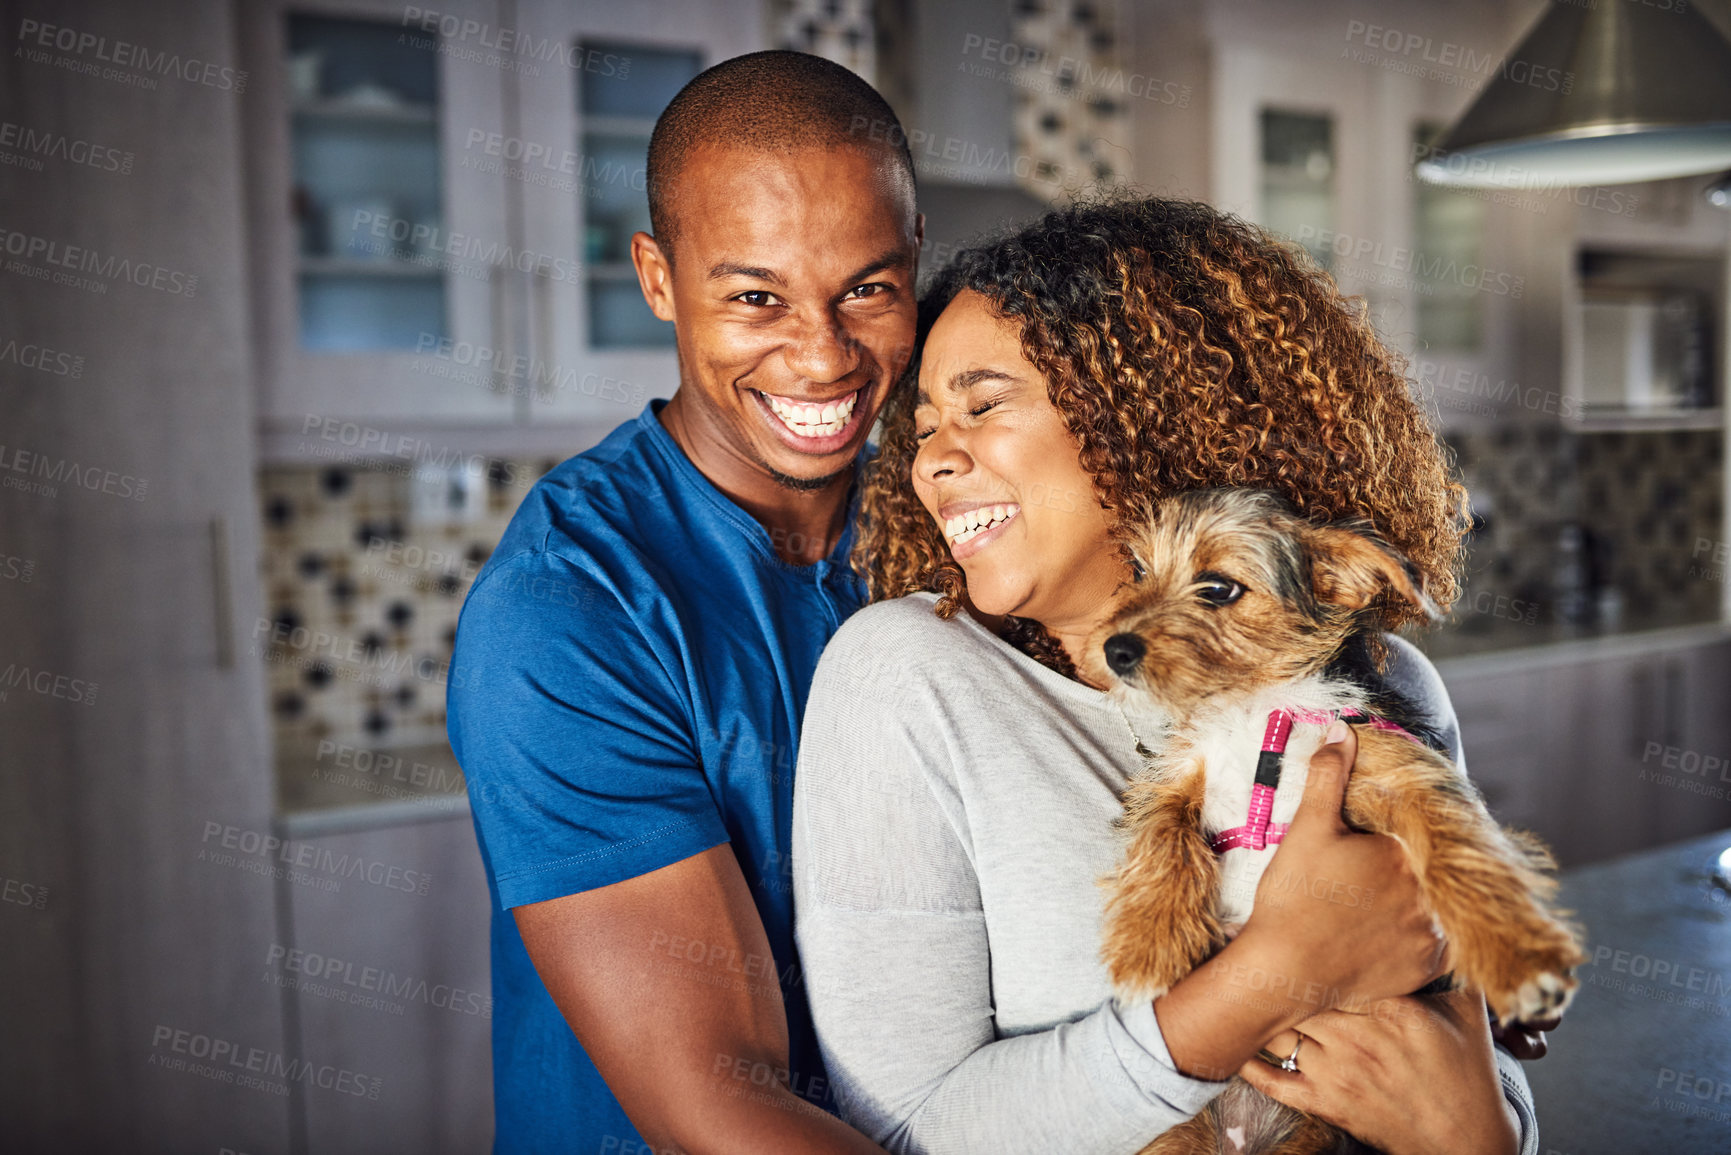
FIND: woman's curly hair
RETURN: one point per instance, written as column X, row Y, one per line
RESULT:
column 1185, row 349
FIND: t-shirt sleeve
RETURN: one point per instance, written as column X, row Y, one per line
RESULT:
column 893, row 942
column 574, row 735
column 1411, row 674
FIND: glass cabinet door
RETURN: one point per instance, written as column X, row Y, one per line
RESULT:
column 615, row 117
column 386, row 269
column 1322, row 152
column 597, row 351
column 364, row 127
column 1297, row 181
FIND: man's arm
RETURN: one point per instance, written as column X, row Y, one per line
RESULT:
column 602, row 834
column 696, row 1053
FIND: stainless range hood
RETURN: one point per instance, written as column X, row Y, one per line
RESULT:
column 1605, row 93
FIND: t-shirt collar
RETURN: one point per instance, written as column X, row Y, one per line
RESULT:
column 650, row 421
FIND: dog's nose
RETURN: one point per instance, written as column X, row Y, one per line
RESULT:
column 1123, row 652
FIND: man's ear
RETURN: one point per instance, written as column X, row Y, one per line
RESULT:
column 654, row 274
column 1351, row 570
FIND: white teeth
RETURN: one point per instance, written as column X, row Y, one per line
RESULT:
column 810, row 420
column 968, row 525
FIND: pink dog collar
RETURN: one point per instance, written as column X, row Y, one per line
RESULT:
column 1258, row 832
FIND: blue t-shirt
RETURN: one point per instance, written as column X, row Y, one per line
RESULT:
column 630, row 670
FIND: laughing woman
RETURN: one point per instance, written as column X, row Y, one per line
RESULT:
column 958, row 779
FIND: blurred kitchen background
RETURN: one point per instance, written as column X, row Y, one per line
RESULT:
column 300, row 298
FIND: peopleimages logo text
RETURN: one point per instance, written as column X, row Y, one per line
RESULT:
column 1424, row 268
column 87, row 260
column 59, row 146
column 258, row 844
column 230, row 1062
column 27, row 463
column 123, row 54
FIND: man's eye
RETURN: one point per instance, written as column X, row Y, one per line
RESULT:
column 1217, row 590
column 861, row 292
column 757, row 298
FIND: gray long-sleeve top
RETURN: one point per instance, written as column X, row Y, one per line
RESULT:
column 953, row 808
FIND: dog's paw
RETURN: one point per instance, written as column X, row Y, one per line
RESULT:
column 1544, row 996
column 1526, row 967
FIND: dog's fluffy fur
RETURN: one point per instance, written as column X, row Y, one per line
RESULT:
column 1241, row 607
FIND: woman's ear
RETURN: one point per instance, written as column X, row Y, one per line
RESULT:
column 1351, row 569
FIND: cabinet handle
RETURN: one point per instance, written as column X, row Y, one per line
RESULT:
column 222, row 593
column 1672, row 703
column 541, row 333
column 1646, row 719
column 499, row 337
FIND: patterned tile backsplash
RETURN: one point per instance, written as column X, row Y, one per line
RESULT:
column 1593, row 528
column 844, row 31
column 1072, row 89
column 1072, row 95
column 366, row 566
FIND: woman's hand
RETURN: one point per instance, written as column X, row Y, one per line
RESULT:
column 1413, row 1076
column 1337, row 921
column 1338, row 917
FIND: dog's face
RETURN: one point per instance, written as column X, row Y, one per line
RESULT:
column 1237, row 591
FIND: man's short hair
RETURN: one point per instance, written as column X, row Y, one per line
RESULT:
column 774, row 101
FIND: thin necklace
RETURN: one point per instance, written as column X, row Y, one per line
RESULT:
column 1140, row 748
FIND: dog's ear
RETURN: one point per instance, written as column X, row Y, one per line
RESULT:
column 1351, row 569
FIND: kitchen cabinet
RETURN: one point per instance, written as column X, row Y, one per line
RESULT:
column 1506, row 754
column 1251, row 80
column 1698, row 725
column 1607, row 710
column 386, row 976
column 1653, row 732
column 379, row 249
column 1437, row 268
column 602, row 348
column 1575, row 744
column 454, row 259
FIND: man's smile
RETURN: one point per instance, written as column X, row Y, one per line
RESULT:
column 810, row 425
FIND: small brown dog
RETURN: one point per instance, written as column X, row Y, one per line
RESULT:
column 1248, row 627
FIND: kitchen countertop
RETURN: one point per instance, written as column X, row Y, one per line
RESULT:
column 327, row 787
column 1642, row 1061
column 1516, row 644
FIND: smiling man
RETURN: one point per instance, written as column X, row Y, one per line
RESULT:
column 632, row 664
